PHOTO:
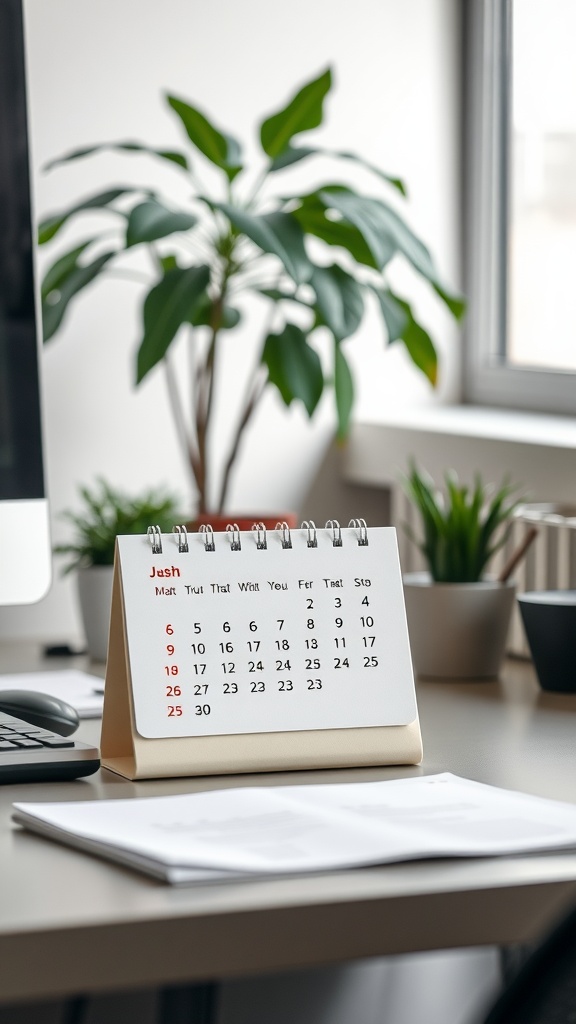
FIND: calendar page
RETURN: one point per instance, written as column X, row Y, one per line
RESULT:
column 270, row 638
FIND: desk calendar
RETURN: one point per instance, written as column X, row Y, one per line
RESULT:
column 258, row 651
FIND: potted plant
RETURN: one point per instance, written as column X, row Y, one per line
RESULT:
column 458, row 616
column 107, row 512
column 314, row 258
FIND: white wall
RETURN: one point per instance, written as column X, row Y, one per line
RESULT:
column 96, row 72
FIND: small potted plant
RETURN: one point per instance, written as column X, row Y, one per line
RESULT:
column 246, row 240
column 458, row 615
column 106, row 513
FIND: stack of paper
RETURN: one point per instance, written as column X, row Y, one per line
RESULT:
column 239, row 833
column 83, row 691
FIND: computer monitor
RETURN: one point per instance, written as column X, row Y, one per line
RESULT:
column 25, row 554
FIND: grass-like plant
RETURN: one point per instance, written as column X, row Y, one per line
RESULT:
column 108, row 512
column 315, row 259
column 462, row 527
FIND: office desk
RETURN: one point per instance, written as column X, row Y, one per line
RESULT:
column 70, row 922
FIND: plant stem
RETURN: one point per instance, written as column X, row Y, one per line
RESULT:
column 206, row 393
column 201, row 434
column 257, row 390
column 205, row 400
column 187, row 445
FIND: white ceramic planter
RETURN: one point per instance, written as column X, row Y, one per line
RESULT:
column 457, row 630
column 95, row 594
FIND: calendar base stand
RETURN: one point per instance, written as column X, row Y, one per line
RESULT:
column 128, row 754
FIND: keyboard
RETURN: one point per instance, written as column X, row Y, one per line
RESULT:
column 31, row 754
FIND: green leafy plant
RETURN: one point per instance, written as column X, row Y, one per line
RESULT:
column 462, row 527
column 106, row 513
column 313, row 258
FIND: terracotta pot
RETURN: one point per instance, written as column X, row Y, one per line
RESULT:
column 243, row 521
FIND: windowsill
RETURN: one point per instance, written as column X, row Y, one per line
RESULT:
column 531, row 428
column 536, row 450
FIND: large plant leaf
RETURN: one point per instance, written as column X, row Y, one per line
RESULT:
column 343, row 391
column 390, row 179
column 415, row 252
column 394, row 315
column 234, row 160
column 360, row 211
column 171, row 303
column 421, row 350
column 388, row 224
column 339, row 301
column 218, row 147
column 293, row 155
column 51, row 225
column 276, row 233
column 294, row 367
column 151, row 220
column 311, row 216
column 279, row 295
column 455, row 303
column 58, row 272
column 65, row 278
column 172, row 156
column 303, row 112
column 384, row 221
column 418, row 342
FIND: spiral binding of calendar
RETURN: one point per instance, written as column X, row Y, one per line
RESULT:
column 233, row 535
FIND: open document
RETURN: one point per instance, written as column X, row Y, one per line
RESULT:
column 258, row 832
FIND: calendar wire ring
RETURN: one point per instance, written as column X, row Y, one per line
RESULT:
column 312, row 539
column 155, row 537
column 233, row 531
column 260, row 530
column 360, row 525
column 286, row 538
column 334, row 525
column 182, row 535
column 208, row 532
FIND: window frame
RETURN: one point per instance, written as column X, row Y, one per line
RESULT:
column 486, row 129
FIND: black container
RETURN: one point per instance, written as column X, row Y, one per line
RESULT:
column 549, row 618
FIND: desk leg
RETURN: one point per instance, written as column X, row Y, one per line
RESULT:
column 188, row 1004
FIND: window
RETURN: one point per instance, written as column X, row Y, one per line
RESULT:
column 521, row 203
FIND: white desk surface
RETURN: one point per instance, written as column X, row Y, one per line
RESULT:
column 70, row 922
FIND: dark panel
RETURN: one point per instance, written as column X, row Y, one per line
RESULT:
column 21, row 474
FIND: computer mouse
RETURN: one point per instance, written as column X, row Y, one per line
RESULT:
column 40, row 709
